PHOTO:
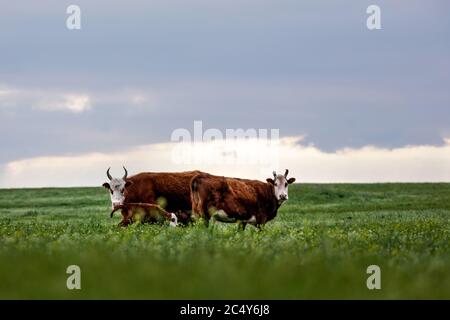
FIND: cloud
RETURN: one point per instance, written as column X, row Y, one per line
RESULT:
column 75, row 103
column 64, row 100
column 7, row 96
column 332, row 117
column 136, row 98
column 5, row 92
column 232, row 66
column 51, row 100
column 44, row 100
column 306, row 163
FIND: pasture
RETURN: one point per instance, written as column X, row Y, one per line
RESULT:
column 319, row 246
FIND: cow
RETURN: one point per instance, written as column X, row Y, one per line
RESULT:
column 146, row 212
column 245, row 201
column 171, row 190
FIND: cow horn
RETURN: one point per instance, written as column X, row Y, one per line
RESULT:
column 108, row 174
column 126, row 173
column 274, row 174
column 286, row 173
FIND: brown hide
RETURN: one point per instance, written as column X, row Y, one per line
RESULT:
column 239, row 198
column 174, row 187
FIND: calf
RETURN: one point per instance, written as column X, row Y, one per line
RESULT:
column 147, row 212
column 170, row 190
column 238, row 200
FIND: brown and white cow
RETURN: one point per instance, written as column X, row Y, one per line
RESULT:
column 171, row 190
column 239, row 200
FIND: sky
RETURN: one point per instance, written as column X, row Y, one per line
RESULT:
column 350, row 104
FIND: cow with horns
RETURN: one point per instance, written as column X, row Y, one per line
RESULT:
column 239, row 200
column 171, row 190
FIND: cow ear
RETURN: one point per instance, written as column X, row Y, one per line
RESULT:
column 291, row 180
column 106, row 185
column 128, row 183
column 270, row 181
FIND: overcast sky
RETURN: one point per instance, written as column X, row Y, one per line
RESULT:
column 138, row 70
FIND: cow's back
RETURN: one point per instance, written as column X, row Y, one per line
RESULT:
column 252, row 198
column 171, row 187
column 239, row 198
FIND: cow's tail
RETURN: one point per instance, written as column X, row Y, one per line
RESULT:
column 196, row 200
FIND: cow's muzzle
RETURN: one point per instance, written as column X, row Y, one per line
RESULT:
column 115, row 205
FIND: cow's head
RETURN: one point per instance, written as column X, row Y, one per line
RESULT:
column 280, row 185
column 116, row 187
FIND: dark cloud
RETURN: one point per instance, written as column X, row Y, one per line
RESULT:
column 309, row 69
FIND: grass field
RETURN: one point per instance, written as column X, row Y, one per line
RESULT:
column 319, row 246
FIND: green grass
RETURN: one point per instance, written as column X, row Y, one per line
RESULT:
column 319, row 246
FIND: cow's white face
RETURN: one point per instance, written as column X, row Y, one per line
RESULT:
column 280, row 185
column 116, row 187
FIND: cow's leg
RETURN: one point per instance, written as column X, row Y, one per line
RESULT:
column 252, row 220
column 206, row 213
column 211, row 221
column 259, row 227
column 194, row 216
column 126, row 218
column 123, row 222
column 242, row 225
column 222, row 216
